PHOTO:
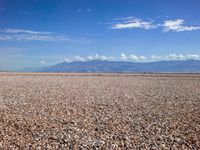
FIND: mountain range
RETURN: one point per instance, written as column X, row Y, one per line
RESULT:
column 182, row 66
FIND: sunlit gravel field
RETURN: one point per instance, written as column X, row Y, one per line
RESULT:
column 99, row 111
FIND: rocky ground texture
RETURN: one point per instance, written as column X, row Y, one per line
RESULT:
column 99, row 111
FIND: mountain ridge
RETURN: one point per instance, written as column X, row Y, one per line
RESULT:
column 187, row 66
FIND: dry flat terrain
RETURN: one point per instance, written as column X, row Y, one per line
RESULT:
column 99, row 111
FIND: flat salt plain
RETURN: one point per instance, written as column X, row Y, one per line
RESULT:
column 99, row 111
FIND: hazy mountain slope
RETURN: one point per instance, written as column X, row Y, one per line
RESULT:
column 123, row 66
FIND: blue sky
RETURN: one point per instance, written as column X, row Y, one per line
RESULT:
column 38, row 33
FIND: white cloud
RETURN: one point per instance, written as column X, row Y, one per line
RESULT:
column 133, row 23
column 15, row 31
column 193, row 56
column 172, row 56
column 67, row 60
column 175, row 56
column 154, row 57
column 29, row 35
column 99, row 57
column 181, row 56
column 132, row 57
column 88, row 58
column 123, row 56
column 78, row 58
column 25, row 37
column 142, row 58
column 177, row 26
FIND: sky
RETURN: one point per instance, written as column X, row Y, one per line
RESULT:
column 37, row 33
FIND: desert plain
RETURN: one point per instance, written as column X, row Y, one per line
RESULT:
column 99, row 111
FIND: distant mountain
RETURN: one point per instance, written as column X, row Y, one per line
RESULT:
column 187, row 66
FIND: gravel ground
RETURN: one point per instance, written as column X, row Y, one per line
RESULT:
column 99, row 111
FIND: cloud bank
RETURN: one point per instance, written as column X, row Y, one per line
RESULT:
column 88, row 58
column 30, row 35
column 133, row 23
column 176, row 25
column 134, row 58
